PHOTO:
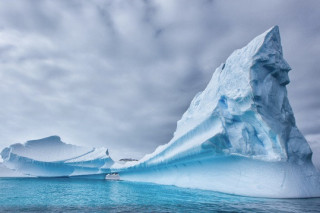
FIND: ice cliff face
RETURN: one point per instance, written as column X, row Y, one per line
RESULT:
column 50, row 157
column 239, row 134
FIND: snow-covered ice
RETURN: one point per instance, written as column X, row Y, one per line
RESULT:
column 239, row 135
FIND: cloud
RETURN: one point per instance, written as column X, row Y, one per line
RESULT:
column 120, row 74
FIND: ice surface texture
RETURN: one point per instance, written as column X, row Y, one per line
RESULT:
column 50, row 157
column 239, row 135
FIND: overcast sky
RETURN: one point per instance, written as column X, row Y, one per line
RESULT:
column 119, row 74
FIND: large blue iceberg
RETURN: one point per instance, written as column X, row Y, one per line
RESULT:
column 239, row 135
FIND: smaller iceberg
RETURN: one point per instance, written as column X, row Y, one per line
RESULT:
column 50, row 157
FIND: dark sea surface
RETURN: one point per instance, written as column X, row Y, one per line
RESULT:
column 83, row 195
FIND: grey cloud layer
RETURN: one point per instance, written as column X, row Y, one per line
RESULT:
column 121, row 73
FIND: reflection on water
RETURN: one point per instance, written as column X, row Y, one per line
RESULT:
column 75, row 195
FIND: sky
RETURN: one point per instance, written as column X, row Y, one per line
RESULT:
column 120, row 74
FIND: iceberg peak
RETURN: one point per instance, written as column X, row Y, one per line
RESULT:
column 271, row 36
column 270, row 39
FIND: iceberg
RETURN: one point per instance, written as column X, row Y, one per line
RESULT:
column 239, row 135
column 50, row 157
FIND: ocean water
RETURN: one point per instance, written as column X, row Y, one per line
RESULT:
column 83, row 195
